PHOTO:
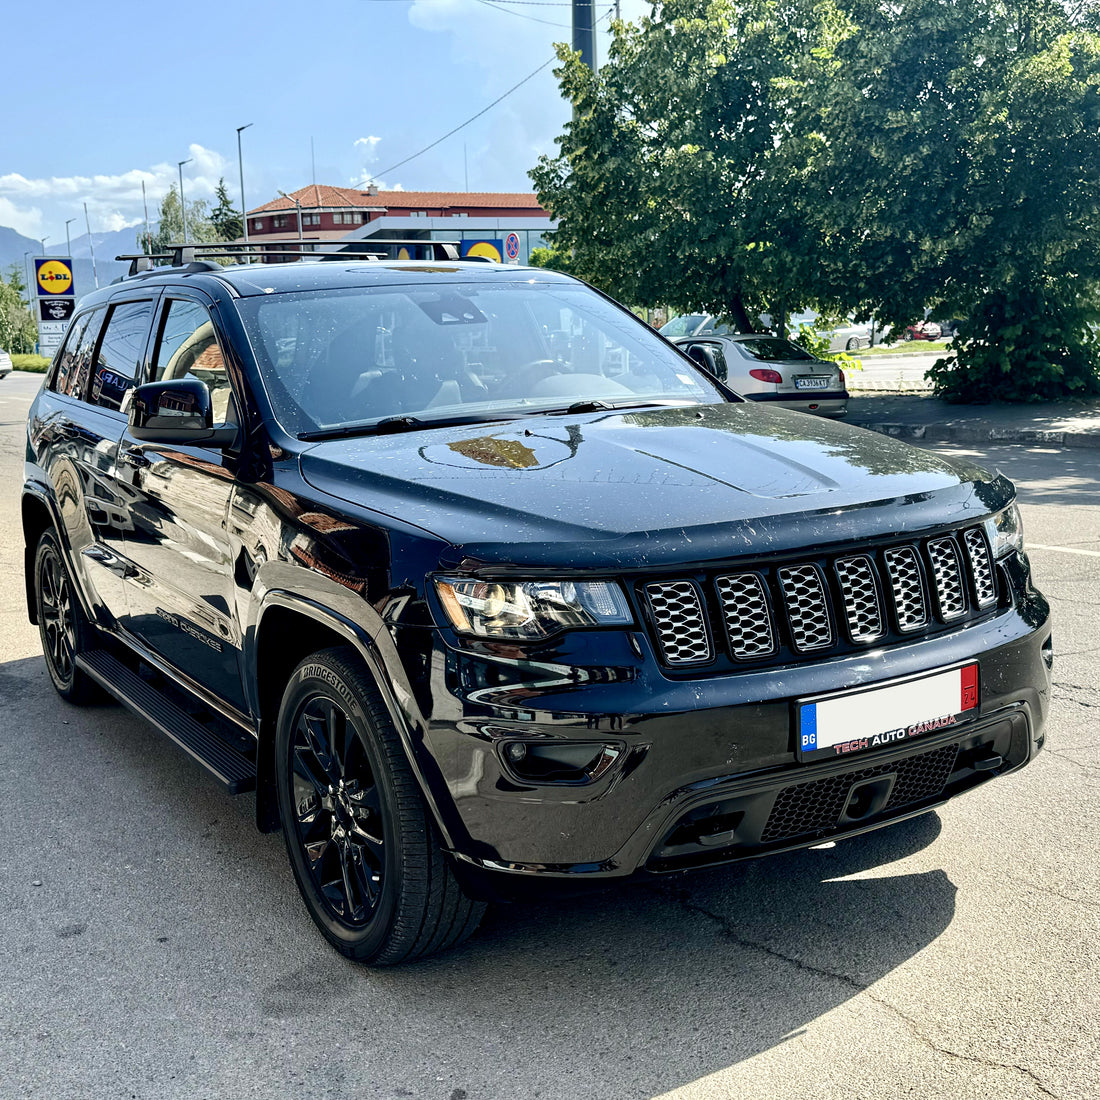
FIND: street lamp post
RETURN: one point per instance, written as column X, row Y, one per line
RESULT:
column 26, row 271
column 44, row 240
column 298, row 206
column 183, row 205
column 240, row 168
column 68, row 241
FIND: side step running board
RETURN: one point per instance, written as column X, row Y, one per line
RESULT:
column 232, row 769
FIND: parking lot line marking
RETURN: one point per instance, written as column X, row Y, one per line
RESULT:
column 1064, row 549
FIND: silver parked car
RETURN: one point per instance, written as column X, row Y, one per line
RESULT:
column 763, row 367
column 845, row 336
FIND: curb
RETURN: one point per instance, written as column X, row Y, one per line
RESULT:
column 981, row 433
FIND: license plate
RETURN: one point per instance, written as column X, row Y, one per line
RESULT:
column 820, row 382
column 841, row 724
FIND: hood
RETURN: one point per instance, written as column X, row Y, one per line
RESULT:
column 649, row 487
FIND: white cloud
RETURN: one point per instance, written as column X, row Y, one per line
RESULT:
column 369, row 142
column 114, row 201
column 26, row 220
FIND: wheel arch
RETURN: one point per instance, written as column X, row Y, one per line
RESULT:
column 289, row 627
column 37, row 517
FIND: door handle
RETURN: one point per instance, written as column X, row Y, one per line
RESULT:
column 132, row 456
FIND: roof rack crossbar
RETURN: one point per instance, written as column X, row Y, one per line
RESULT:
column 198, row 256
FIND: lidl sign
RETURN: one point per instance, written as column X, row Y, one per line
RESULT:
column 53, row 277
column 489, row 250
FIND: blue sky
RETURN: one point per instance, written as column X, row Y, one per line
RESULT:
column 107, row 95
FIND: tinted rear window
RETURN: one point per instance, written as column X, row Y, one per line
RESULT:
column 771, row 349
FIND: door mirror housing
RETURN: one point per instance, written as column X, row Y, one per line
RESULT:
column 710, row 359
column 178, row 410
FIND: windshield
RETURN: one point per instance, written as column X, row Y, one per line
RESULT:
column 687, row 324
column 340, row 358
column 770, row 349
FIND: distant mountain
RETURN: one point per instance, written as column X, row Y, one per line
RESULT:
column 13, row 245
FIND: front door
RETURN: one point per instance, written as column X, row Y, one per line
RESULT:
column 181, row 601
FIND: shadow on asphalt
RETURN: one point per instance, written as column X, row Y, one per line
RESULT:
column 1075, row 479
column 629, row 992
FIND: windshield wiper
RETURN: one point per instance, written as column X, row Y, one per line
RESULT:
column 597, row 404
column 393, row 424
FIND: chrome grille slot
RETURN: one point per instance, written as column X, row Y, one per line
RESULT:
column 680, row 621
column 947, row 572
column 747, row 618
column 981, row 568
column 862, row 602
column 807, row 606
column 907, row 585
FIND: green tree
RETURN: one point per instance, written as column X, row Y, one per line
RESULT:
column 18, row 331
column 859, row 157
column 169, row 229
column 672, row 184
column 225, row 218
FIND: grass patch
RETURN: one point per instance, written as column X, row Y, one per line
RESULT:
column 39, row 364
column 905, row 347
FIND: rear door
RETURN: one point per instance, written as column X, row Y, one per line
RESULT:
column 77, row 432
column 182, row 602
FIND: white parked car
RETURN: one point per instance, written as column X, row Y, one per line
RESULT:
column 5, row 364
column 765, row 368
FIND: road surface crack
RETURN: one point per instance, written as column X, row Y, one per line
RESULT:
column 682, row 899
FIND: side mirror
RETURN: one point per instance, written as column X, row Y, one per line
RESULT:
column 178, row 410
column 712, row 361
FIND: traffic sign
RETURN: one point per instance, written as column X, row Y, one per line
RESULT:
column 511, row 246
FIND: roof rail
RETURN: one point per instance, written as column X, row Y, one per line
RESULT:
column 199, row 257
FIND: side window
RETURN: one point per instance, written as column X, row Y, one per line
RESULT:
column 188, row 348
column 66, row 364
column 120, row 353
column 76, row 384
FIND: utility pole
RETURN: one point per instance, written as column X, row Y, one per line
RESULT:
column 584, row 32
column 91, row 246
column 68, row 242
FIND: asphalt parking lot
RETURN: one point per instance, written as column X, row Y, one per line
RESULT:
column 154, row 945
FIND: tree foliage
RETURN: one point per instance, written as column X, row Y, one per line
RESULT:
column 18, row 331
column 850, row 156
column 225, row 218
column 169, row 231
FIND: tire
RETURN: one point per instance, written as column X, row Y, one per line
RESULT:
column 908, row 336
column 853, row 344
column 62, row 624
column 364, row 850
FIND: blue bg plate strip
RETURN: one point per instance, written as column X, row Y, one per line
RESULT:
column 808, row 727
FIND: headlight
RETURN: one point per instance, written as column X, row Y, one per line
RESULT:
column 530, row 609
column 1006, row 532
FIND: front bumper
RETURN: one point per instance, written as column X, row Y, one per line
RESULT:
column 702, row 771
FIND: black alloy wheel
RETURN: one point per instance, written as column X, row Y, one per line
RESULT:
column 364, row 851
column 337, row 811
column 62, row 625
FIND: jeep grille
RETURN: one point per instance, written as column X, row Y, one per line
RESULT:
column 816, row 606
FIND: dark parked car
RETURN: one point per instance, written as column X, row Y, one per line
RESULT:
column 478, row 581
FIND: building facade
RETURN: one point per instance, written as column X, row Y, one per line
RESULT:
column 496, row 225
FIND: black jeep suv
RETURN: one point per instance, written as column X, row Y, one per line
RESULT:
column 474, row 578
